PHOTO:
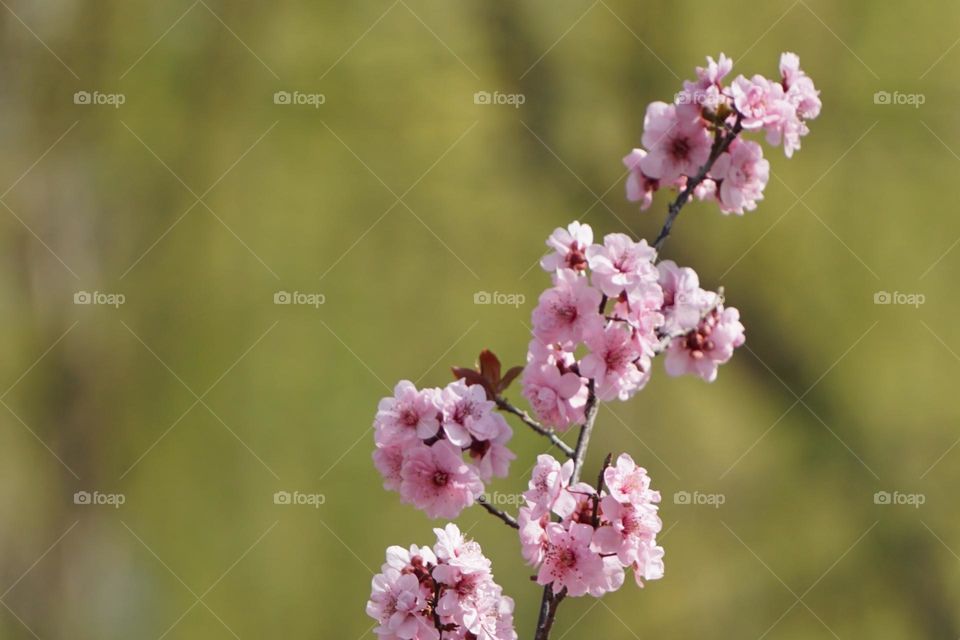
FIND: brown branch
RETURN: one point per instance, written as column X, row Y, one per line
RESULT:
column 508, row 519
column 550, row 602
column 721, row 144
column 525, row 417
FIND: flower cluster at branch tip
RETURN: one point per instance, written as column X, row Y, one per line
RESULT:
column 423, row 593
column 679, row 138
column 421, row 436
column 600, row 533
column 615, row 300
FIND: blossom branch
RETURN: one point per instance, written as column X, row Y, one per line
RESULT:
column 550, row 601
column 721, row 144
column 509, row 520
column 546, row 432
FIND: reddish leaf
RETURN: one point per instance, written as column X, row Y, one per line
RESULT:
column 490, row 367
column 507, row 379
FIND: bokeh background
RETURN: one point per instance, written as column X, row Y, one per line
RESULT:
column 398, row 199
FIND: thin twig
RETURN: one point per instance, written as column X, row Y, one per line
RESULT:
column 508, row 519
column 721, row 144
column 546, row 432
column 550, row 602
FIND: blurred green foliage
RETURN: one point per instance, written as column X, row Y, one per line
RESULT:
column 398, row 199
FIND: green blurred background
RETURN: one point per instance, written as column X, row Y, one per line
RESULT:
column 398, row 199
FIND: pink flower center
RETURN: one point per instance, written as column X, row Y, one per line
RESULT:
column 576, row 260
column 409, row 417
column 567, row 558
column 440, row 478
column 680, row 148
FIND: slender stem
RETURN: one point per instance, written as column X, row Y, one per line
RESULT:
column 550, row 602
column 508, row 519
column 721, row 144
column 546, row 432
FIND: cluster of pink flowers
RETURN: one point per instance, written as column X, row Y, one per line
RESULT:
column 423, row 593
column 678, row 138
column 624, row 308
column 421, row 436
column 599, row 533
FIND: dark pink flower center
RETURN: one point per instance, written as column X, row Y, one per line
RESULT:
column 440, row 478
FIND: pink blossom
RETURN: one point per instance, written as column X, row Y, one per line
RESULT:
column 684, row 302
column 492, row 457
column 759, row 101
column 547, row 487
column 568, row 310
column 395, row 602
column 558, row 399
column 706, row 92
column 467, row 414
column 455, row 550
column 618, row 362
column 568, row 562
column 649, row 564
column 640, row 187
column 711, row 344
column 620, row 264
column 417, row 591
column 570, row 246
column 629, row 527
column 800, row 90
column 742, row 173
column 436, row 480
column 533, row 535
column 628, row 483
column 410, row 414
column 389, row 461
column 406, row 559
column 675, row 145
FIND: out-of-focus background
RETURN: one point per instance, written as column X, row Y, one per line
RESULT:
column 151, row 168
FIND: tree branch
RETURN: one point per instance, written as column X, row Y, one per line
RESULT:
column 722, row 141
column 525, row 417
column 550, row 602
column 508, row 519
column 721, row 144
